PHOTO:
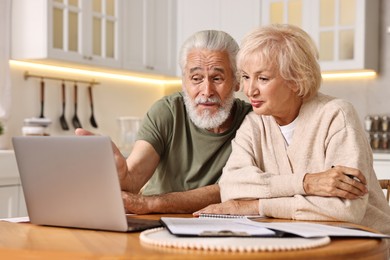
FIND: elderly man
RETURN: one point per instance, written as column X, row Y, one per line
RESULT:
column 184, row 140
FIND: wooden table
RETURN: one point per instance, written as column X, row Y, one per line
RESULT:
column 24, row 240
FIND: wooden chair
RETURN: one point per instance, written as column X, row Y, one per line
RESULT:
column 385, row 184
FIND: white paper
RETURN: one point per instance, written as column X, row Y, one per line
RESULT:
column 16, row 220
column 215, row 226
column 308, row 230
column 197, row 226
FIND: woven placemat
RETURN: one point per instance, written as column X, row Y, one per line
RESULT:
column 161, row 237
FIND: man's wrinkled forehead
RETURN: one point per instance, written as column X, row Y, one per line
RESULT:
column 207, row 60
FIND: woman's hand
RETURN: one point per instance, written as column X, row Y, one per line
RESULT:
column 239, row 207
column 339, row 181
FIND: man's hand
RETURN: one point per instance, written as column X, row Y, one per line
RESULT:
column 339, row 181
column 239, row 207
column 136, row 203
column 120, row 161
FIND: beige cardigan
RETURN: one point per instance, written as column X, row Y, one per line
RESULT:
column 328, row 132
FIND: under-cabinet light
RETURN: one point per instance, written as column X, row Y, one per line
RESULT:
column 150, row 80
column 349, row 74
column 90, row 73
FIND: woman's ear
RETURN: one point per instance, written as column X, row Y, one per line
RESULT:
column 293, row 87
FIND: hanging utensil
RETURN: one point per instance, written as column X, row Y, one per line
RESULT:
column 42, row 98
column 92, row 118
column 63, row 122
column 75, row 119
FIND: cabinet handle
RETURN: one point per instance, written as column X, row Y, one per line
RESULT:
column 150, row 67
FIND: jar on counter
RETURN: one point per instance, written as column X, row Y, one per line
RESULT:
column 376, row 126
column 375, row 141
column 384, row 141
column 385, row 123
column 33, row 130
column 368, row 123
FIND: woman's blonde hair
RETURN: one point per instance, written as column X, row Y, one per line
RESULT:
column 287, row 49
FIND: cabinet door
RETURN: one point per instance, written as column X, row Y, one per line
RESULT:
column 65, row 31
column 150, row 36
column 160, row 32
column 9, row 199
column 285, row 11
column 76, row 31
column 103, row 31
column 234, row 17
column 22, row 208
column 345, row 31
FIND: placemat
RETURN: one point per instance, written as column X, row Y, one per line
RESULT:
column 162, row 238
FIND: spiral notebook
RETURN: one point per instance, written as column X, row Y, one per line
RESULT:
column 234, row 216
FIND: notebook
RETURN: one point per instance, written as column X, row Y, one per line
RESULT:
column 71, row 181
column 244, row 227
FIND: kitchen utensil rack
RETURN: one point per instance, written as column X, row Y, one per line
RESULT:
column 28, row 75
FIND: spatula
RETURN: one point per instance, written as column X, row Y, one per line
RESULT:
column 92, row 118
column 63, row 122
column 75, row 119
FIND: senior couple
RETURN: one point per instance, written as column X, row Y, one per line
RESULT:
column 291, row 153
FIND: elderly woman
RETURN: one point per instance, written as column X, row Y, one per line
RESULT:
column 286, row 156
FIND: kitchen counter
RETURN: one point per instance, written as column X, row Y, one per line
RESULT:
column 12, row 202
column 381, row 155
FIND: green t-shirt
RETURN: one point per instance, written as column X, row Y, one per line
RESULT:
column 190, row 157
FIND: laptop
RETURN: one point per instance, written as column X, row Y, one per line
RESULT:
column 72, row 181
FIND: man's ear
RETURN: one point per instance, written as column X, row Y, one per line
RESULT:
column 237, row 87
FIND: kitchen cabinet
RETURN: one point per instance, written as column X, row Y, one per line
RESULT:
column 9, row 201
column 150, row 36
column 12, row 203
column 345, row 31
column 75, row 31
column 382, row 166
column 234, row 17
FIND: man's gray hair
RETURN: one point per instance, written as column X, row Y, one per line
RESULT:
column 211, row 40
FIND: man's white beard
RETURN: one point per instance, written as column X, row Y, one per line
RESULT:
column 205, row 119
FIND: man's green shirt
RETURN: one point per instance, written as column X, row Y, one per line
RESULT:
column 190, row 157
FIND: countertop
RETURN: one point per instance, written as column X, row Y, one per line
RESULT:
column 382, row 155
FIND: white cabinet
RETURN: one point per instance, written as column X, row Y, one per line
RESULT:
column 150, row 36
column 9, row 201
column 12, row 202
column 234, row 17
column 382, row 165
column 76, row 31
column 345, row 31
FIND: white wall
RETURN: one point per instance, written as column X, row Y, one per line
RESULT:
column 112, row 99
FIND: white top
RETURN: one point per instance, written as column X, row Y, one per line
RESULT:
column 288, row 130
